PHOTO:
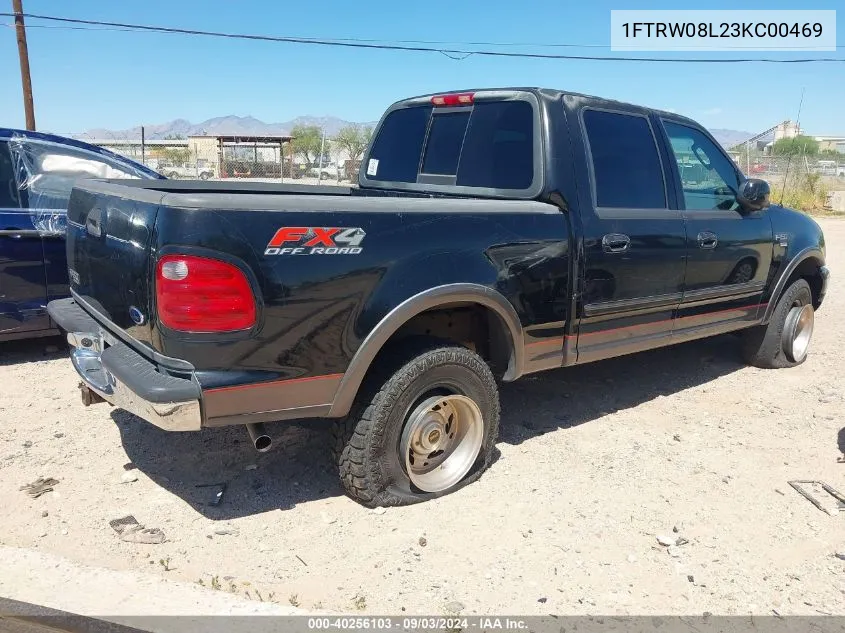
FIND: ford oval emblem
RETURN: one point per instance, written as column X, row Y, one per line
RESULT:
column 136, row 315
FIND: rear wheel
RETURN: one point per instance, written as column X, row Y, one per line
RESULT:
column 785, row 340
column 425, row 425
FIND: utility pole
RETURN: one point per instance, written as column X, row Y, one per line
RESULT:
column 748, row 157
column 320, row 162
column 23, row 54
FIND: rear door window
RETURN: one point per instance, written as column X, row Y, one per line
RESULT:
column 8, row 186
column 487, row 145
column 626, row 165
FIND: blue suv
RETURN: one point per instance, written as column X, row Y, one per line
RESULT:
column 37, row 172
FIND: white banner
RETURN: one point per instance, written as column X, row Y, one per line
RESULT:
column 747, row 30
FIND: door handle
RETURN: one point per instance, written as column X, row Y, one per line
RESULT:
column 707, row 239
column 615, row 243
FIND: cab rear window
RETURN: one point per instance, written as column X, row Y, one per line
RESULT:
column 487, row 145
column 399, row 144
column 445, row 138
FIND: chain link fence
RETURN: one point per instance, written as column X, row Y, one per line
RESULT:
column 270, row 159
column 799, row 181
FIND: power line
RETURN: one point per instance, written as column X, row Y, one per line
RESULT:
column 346, row 39
column 391, row 41
column 451, row 52
column 71, row 28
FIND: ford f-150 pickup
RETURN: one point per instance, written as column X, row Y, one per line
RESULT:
column 493, row 234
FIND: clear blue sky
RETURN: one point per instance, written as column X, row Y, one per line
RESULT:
column 85, row 79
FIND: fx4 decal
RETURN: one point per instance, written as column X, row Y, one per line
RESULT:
column 315, row 240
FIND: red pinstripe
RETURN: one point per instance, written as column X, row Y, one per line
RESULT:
column 286, row 381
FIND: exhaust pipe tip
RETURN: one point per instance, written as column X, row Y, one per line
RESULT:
column 261, row 440
column 262, row 443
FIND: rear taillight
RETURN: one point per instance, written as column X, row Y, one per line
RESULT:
column 200, row 294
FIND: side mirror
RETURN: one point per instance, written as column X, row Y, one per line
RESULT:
column 753, row 194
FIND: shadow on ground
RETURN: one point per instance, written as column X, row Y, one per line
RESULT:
column 298, row 468
column 32, row 350
column 564, row 398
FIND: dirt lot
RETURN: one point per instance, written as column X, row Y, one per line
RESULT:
column 594, row 463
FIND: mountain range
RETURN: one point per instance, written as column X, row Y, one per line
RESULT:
column 247, row 125
column 223, row 125
column 729, row 138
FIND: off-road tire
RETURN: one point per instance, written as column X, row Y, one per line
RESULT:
column 365, row 444
column 762, row 345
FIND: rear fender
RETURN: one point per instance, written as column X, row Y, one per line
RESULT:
column 401, row 314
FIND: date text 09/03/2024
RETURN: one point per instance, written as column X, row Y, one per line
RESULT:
column 414, row 623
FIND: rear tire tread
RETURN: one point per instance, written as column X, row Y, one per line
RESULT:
column 353, row 447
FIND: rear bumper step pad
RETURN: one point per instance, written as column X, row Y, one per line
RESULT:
column 123, row 377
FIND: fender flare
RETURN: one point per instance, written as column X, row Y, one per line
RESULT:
column 401, row 314
column 811, row 252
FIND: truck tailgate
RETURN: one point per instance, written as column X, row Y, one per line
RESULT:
column 108, row 249
column 112, row 244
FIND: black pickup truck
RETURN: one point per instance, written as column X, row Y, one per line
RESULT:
column 494, row 233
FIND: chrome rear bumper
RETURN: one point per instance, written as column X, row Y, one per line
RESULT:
column 123, row 377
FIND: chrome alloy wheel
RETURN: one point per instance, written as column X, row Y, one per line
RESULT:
column 441, row 441
column 797, row 331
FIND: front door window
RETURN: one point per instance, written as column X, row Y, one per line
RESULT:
column 709, row 179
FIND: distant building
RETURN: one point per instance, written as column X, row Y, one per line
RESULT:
column 790, row 129
column 836, row 143
column 132, row 148
column 224, row 155
column 787, row 129
column 220, row 148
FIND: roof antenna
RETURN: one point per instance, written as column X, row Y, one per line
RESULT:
column 792, row 147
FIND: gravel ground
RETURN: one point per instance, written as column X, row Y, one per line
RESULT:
column 96, row 591
column 595, row 463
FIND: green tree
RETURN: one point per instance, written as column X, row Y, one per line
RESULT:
column 797, row 145
column 174, row 155
column 354, row 139
column 307, row 140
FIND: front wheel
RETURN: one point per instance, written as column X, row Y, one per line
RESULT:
column 785, row 340
column 424, row 426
